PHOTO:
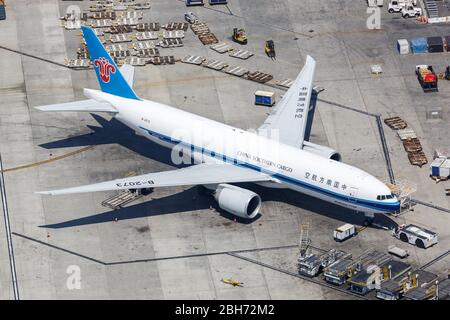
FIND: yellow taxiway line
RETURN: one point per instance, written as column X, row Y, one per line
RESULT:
column 38, row 163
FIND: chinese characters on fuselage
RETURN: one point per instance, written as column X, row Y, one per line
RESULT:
column 324, row 180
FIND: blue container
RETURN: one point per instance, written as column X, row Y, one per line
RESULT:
column 194, row 2
column 419, row 45
column 264, row 98
column 435, row 171
column 2, row 12
column 218, row 1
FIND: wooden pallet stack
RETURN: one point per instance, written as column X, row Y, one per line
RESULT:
column 411, row 143
column 204, row 34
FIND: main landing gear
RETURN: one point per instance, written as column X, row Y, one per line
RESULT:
column 370, row 217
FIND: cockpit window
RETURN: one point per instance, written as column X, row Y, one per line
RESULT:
column 384, row 197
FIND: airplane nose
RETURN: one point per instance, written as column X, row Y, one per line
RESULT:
column 397, row 204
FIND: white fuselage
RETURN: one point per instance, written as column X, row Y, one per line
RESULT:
column 205, row 140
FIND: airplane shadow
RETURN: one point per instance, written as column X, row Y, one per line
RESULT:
column 318, row 206
column 185, row 201
column 192, row 200
column 112, row 131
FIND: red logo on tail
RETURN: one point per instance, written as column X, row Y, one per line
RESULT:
column 105, row 68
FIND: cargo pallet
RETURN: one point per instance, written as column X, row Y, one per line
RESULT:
column 412, row 145
column 417, row 158
column 147, row 53
column 395, row 123
column 258, row 76
column 120, row 29
column 208, row 38
column 199, row 28
column 170, row 43
column 120, row 199
column 162, row 60
column 174, row 26
column 154, row 26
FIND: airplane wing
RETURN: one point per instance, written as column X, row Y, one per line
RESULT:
column 201, row 174
column 89, row 105
column 291, row 113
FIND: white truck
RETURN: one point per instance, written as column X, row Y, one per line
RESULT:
column 410, row 11
column 375, row 3
column 416, row 235
column 398, row 5
column 344, row 232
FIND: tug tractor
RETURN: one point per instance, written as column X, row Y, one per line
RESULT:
column 410, row 11
column 239, row 36
column 270, row 49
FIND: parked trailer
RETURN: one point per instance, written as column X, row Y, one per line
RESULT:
column 427, row 78
column 416, row 235
column 344, row 232
column 399, row 252
column 312, row 264
column 337, row 273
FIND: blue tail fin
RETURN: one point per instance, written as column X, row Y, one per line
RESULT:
column 109, row 76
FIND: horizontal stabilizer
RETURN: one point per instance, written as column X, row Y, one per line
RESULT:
column 201, row 174
column 79, row 106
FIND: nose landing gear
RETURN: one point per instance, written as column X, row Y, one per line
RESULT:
column 370, row 217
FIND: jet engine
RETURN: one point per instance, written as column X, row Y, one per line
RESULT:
column 322, row 151
column 238, row 201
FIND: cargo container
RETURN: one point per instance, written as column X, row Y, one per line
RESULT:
column 419, row 45
column 211, row 2
column 444, row 169
column 344, row 232
column 265, row 98
column 194, row 3
column 435, row 44
column 403, row 46
column 435, row 167
column 2, row 10
column 442, row 152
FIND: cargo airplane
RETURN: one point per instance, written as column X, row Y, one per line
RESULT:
column 224, row 155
